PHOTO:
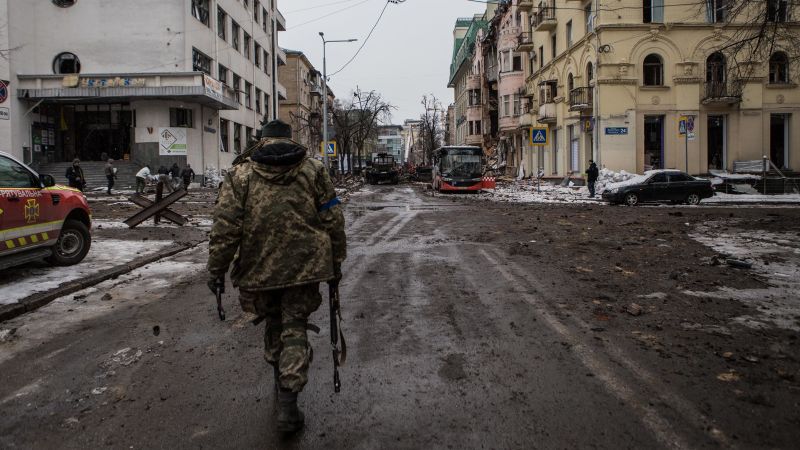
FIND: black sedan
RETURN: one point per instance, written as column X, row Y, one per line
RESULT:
column 659, row 186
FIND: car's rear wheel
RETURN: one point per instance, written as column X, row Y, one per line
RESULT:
column 631, row 199
column 693, row 199
column 72, row 245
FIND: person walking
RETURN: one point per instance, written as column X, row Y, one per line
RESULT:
column 141, row 179
column 175, row 174
column 75, row 175
column 164, row 178
column 187, row 174
column 111, row 174
column 591, row 177
column 278, row 221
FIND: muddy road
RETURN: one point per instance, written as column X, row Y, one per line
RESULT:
column 469, row 325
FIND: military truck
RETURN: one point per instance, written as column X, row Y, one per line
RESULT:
column 383, row 170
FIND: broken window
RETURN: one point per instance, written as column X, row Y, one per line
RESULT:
column 257, row 55
column 258, row 100
column 517, row 63
column 267, row 63
column 246, row 47
column 235, row 35
column 201, row 62
column 200, row 11
column 264, row 19
column 256, row 9
column 222, row 23
column 248, row 95
column 222, row 74
column 180, row 117
column 237, row 138
column 223, row 136
column 66, row 63
column 237, row 86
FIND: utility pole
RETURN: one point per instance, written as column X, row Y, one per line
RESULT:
column 325, row 97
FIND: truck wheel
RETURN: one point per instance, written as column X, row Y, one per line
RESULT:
column 631, row 199
column 72, row 245
column 693, row 199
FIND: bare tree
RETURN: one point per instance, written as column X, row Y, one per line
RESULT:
column 308, row 128
column 431, row 126
column 355, row 123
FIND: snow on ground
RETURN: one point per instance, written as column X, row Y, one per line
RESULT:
column 196, row 221
column 775, row 257
column 720, row 197
column 20, row 282
column 527, row 192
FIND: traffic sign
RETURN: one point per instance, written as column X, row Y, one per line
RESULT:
column 332, row 149
column 686, row 127
column 539, row 136
column 3, row 91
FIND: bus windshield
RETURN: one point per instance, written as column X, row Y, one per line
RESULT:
column 461, row 164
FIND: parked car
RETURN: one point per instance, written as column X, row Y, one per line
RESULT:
column 659, row 186
column 39, row 219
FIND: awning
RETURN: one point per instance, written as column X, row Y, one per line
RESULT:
column 90, row 95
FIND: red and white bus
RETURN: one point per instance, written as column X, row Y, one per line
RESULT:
column 460, row 169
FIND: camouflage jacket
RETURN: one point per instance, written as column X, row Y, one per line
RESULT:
column 280, row 225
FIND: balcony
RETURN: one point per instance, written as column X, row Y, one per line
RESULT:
column 525, row 42
column 280, row 21
column 525, row 5
column 545, row 17
column 316, row 90
column 281, row 55
column 721, row 93
column 473, row 82
column 580, row 99
column 281, row 91
column 547, row 113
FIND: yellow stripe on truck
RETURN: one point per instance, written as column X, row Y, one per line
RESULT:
column 10, row 244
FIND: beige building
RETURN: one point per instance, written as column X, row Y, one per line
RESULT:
column 302, row 108
column 613, row 85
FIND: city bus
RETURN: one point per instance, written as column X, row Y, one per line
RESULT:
column 460, row 169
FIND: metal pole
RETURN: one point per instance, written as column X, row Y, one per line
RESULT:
column 686, row 142
column 324, row 105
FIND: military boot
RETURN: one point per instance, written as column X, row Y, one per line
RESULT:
column 290, row 418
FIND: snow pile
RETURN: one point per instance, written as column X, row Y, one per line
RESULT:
column 527, row 192
column 724, row 175
column 720, row 197
column 608, row 179
column 214, row 177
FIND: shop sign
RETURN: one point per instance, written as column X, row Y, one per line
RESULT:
column 616, row 131
column 4, row 114
column 172, row 141
column 213, row 87
column 112, row 82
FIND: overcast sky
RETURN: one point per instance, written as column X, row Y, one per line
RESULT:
column 407, row 56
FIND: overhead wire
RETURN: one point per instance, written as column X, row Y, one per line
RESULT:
column 318, row 6
column 602, row 8
column 364, row 43
column 328, row 15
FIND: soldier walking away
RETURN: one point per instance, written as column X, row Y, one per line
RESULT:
column 591, row 177
column 279, row 222
column 111, row 174
column 141, row 179
column 187, row 174
column 175, row 174
column 75, row 175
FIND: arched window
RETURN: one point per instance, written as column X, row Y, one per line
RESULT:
column 716, row 68
column 66, row 63
column 653, row 69
column 589, row 74
column 778, row 68
column 570, row 83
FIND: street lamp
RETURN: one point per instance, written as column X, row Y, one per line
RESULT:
column 325, row 97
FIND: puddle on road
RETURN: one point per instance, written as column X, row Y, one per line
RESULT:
column 437, row 207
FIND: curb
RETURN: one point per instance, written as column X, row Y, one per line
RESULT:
column 35, row 301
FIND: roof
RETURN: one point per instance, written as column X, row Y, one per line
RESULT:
column 463, row 49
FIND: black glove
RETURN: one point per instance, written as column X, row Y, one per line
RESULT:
column 337, row 276
column 214, row 282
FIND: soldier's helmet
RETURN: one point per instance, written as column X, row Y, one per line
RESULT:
column 276, row 129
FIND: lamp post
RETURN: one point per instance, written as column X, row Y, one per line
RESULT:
column 325, row 97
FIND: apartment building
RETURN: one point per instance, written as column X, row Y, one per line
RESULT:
column 465, row 82
column 620, row 85
column 149, row 81
column 302, row 107
column 390, row 141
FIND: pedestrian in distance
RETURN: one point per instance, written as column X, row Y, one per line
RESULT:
column 111, row 174
column 164, row 178
column 75, row 175
column 141, row 179
column 187, row 174
column 278, row 221
column 591, row 177
column 175, row 174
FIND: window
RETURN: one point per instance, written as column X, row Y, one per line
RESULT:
column 222, row 74
column 569, row 34
column 258, row 100
column 548, row 91
column 517, row 105
column 237, row 138
column 264, row 19
column 716, row 10
column 257, row 55
column 554, row 134
column 246, row 48
column 553, row 46
column 180, row 117
column 589, row 74
column 587, row 14
column 237, row 86
column 660, row 177
column 200, row 62
column 14, row 175
column 653, row 11
column 474, row 97
column 517, row 63
column 248, row 95
column 256, row 9
column 200, row 11
column 541, row 56
column 716, row 69
column 64, row 3
column 477, row 127
column 778, row 68
column 246, row 4
column 66, row 63
column 267, row 105
column 653, row 70
column 267, row 63
column 249, row 136
column 675, row 177
column 224, row 140
column 506, row 105
column 777, row 10
column 222, row 23
column 235, row 35
column 570, row 83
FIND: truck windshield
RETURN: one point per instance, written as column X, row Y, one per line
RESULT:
column 461, row 165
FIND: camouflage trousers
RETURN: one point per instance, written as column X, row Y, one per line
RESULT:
column 286, row 343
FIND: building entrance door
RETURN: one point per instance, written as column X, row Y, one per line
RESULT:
column 779, row 140
column 653, row 142
column 717, row 144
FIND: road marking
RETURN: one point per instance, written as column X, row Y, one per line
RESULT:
column 660, row 427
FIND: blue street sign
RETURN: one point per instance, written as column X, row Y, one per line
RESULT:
column 538, row 135
column 616, row 131
column 330, row 148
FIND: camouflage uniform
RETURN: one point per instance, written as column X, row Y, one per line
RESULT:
column 279, row 222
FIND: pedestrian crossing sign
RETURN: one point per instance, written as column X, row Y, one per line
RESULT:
column 331, row 148
column 539, row 136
